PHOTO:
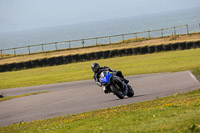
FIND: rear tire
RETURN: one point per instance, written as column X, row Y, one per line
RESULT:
column 115, row 89
column 130, row 91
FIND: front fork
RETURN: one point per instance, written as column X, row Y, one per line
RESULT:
column 125, row 88
column 104, row 88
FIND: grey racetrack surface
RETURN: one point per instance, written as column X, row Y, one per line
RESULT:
column 82, row 96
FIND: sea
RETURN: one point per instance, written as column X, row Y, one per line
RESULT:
column 102, row 28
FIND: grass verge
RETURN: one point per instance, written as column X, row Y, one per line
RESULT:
column 196, row 72
column 177, row 113
column 12, row 97
column 130, row 65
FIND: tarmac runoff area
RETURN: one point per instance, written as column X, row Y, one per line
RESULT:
column 82, row 96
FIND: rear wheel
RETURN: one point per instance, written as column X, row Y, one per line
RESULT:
column 130, row 91
column 116, row 90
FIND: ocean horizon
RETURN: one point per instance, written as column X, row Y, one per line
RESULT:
column 103, row 28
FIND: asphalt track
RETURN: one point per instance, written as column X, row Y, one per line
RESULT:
column 82, row 96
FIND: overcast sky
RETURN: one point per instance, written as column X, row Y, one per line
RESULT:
column 16, row 15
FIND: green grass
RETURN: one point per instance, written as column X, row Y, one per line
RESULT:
column 177, row 113
column 28, row 94
column 196, row 72
column 130, row 65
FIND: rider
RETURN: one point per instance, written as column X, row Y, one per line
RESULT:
column 97, row 71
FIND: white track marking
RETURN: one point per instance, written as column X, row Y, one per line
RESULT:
column 193, row 77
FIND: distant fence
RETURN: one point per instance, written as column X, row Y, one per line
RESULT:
column 6, row 53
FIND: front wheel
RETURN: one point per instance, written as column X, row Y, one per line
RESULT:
column 116, row 90
column 130, row 91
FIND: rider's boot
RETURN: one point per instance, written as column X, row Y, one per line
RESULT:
column 126, row 81
column 119, row 73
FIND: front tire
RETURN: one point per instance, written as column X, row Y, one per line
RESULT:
column 116, row 90
column 130, row 91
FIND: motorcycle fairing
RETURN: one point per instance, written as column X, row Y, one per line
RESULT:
column 106, row 78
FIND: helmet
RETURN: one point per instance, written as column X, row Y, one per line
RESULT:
column 95, row 67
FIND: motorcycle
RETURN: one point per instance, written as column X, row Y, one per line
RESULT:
column 114, row 84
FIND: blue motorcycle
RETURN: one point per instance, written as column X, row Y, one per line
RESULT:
column 114, row 84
